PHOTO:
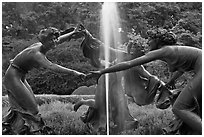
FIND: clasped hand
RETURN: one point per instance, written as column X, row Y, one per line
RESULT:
column 91, row 74
column 95, row 74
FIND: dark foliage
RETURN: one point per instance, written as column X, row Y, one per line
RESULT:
column 21, row 22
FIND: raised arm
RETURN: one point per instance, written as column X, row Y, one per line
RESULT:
column 44, row 62
column 65, row 37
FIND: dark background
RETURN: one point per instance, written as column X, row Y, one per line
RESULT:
column 21, row 22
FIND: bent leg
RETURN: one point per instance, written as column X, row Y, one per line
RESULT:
column 34, row 121
column 21, row 97
column 185, row 104
column 23, row 102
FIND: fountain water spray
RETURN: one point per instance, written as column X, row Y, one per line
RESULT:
column 111, row 38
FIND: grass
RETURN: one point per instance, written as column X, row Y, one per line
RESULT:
column 57, row 113
column 63, row 119
column 151, row 120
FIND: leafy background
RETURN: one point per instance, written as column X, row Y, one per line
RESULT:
column 22, row 21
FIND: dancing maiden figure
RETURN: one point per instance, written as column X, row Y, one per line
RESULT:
column 180, row 59
column 23, row 116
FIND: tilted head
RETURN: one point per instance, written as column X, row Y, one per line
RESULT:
column 135, row 49
column 48, row 37
column 160, row 37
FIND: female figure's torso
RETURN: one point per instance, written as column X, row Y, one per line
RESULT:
column 22, row 63
column 183, row 58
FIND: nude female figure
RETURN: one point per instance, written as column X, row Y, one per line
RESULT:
column 23, row 106
column 180, row 59
column 141, row 90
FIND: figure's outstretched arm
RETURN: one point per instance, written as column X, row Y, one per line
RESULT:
column 151, row 56
column 67, row 31
column 44, row 62
column 70, row 33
